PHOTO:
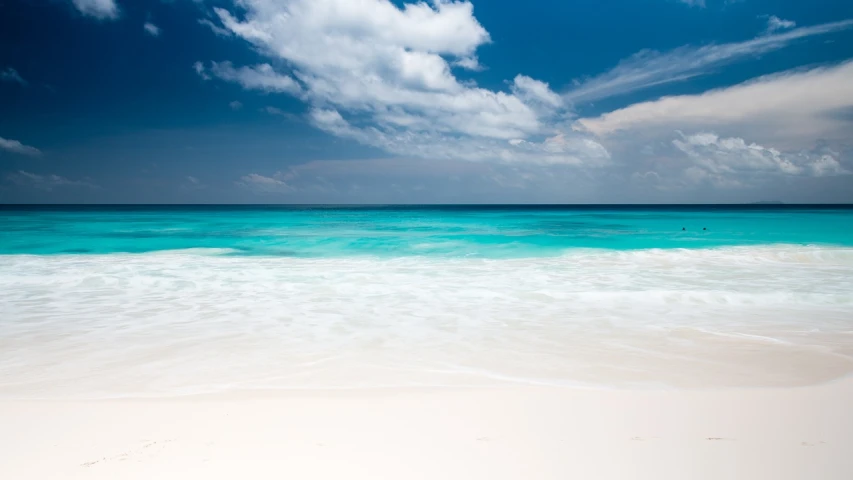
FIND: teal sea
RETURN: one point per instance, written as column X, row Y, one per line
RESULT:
column 101, row 302
column 445, row 231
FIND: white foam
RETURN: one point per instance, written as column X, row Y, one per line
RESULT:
column 188, row 322
column 194, row 251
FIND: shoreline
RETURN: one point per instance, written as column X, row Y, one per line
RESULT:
column 277, row 393
column 507, row 432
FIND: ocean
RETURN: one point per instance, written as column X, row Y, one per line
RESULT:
column 140, row 301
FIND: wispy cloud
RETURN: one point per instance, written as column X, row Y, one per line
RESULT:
column 200, row 70
column 192, row 184
column 151, row 29
column 45, row 182
column 222, row 32
column 650, row 68
column 15, row 146
column 258, row 77
column 280, row 113
column 791, row 108
column 12, row 75
column 775, row 23
column 277, row 183
column 100, row 9
column 795, row 124
column 236, row 105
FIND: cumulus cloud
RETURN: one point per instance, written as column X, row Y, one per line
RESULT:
column 151, row 29
column 649, row 68
column 759, row 135
column 382, row 75
column 45, row 182
column 100, row 9
column 15, row 146
column 729, row 162
column 792, row 109
column 775, row 23
column 259, row 77
column 468, row 63
column 11, row 75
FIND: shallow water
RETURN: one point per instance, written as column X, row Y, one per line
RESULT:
column 439, row 231
column 355, row 298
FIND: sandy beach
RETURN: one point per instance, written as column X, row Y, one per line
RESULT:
column 524, row 432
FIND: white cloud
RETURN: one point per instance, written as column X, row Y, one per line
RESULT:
column 729, row 162
column 574, row 149
column 151, row 29
column 45, row 182
column 274, row 111
column 259, row 77
column 15, row 146
column 192, row 184
column 649, row 68
column 535, row 92
column 792, row 109
column 12, row 75
column 775, row 23
column 279, row 113
column 469, row 63
column 100, row 9
column 200, row 70
column 216, row 29
column 381, row 75
column 235, row 105
column 276, row 183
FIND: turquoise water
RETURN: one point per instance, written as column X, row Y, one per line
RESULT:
column 459, row 231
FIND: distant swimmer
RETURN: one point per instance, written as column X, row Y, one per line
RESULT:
column 703, row 228
column 683, row 229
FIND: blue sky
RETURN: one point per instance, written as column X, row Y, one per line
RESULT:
column 372, row 101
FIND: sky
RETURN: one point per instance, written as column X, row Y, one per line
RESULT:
column 379, row 101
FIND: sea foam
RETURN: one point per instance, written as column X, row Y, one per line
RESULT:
column 184, row 322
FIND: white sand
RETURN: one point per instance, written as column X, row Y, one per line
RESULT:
column 519, row 433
